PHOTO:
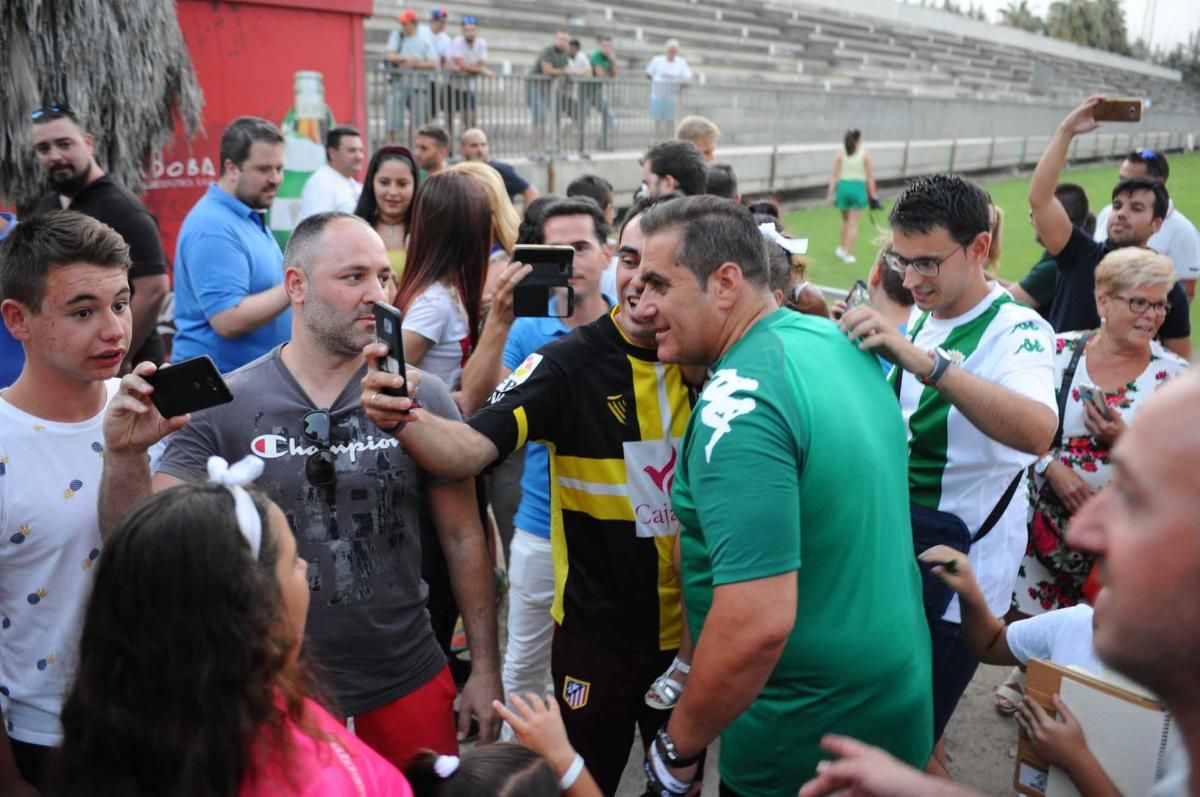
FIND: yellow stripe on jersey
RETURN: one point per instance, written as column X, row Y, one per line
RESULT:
column 585, row 469
column 522, row 427
column 597, row 505
column 558, row 538
column 645, row 391
column 678, row 397
column 670, row 612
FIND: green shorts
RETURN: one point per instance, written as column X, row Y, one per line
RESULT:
column 851, row 195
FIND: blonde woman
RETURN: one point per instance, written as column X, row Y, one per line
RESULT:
column 505, row 219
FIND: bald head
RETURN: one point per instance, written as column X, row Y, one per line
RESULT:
column 307, row 244
column 473, row 145
column 1144, row 529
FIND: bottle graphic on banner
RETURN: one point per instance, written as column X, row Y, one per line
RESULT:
column 304, row 128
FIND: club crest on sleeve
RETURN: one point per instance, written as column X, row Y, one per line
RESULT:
column 575, row 692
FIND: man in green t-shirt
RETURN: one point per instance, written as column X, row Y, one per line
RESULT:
column 791, row 492
column 604, row 67
column 550, row 64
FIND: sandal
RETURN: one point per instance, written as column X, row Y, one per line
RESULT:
column 1010, row 694
column 664, row 693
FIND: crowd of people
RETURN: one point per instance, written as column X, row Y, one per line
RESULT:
column 732, row 524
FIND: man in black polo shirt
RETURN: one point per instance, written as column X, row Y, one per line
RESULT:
column 66, row 156
column 473, row 144
column 1139, row 207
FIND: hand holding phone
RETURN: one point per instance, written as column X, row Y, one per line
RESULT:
column 1118, row 110
column 1096, row 396
column 388, row 322
column 188, row 386
column 859, row 295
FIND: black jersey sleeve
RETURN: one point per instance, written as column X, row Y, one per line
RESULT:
column 529, row 404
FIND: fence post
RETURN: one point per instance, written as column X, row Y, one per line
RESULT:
column 774, row 167
column 1024, row 151
column 904, row 162
column 953, row 154
column 991, row 153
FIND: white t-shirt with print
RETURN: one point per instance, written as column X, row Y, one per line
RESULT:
column 438, row 315
column 1063, row 636
column 1178, row 239
column 49, row 546
column 1015, row 349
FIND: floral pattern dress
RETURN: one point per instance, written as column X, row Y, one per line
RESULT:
column 1052, row 575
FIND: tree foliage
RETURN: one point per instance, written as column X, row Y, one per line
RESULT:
column 1018, row 14
column 122, row 66
column 1091, row 23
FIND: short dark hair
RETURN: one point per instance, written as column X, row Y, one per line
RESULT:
column 333, row 139
column 579, row 206
column 721, row 181
column 437, row 133
column 501, row 768
column 574, row 43
column 605, row 39
column 49, row 240
column 530, row 231
column 1074, row 200
column 1162, row 200
column 594, row 187
column 712, row 231
column 640, row 207
column 682, row 161
column 942, row 200
column 768, row 206
column 304, row 242
column 240, row 135
column 1155, row 161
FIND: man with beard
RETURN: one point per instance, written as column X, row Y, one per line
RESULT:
column 352, row 495
column 1139, row 205
column 66, row 155
column 230, row 301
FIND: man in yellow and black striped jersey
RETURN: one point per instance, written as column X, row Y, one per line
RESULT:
column 612, row 417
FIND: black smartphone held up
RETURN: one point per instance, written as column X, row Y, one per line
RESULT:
column 546, row 292
column 387, row 331
column 858, row 295
column 188, row 386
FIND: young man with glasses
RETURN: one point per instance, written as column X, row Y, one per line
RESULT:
column 353, row 495
column 1140, row 204
column 975, row 377
column 1178, row 237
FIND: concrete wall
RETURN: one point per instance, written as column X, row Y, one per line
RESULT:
column 792, row 167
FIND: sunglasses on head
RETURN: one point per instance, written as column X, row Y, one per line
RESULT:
column 52, row 110
column 1146, row 154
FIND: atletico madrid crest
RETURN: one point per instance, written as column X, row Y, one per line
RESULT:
column 575, row 692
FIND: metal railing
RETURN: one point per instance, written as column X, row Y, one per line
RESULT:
column 529, row 115
column 543, row 117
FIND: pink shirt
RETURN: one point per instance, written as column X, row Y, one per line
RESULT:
column 344, row 767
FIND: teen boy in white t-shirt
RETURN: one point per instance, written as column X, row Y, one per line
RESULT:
column 64, row 280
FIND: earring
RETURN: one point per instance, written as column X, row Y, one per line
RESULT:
column 1103, row 320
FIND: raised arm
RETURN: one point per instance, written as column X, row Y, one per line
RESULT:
column 486, row 367
column 986, row 633
column 1049, row 217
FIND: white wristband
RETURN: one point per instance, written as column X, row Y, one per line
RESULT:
column 572, row 773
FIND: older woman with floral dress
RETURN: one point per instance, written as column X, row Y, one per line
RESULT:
column 1126, row 364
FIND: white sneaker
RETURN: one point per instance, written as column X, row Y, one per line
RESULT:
column 841, row 253
column 849, row 259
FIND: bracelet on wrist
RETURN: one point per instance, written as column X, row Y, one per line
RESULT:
column 670, row 755
column 572, row 774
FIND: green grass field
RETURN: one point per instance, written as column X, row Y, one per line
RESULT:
column 1019, row 250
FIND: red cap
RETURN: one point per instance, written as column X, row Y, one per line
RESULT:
column 407, row 15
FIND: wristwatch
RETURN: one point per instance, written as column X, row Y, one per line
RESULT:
column 1040, row 466
column 941, row 362
column 666, row 749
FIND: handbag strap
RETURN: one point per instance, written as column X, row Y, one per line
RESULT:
column 1065, row 388
column 999, row 509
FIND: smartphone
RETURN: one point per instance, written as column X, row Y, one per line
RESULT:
column 188, row 386
column 546, row 292
column 1096, row 396
column 858, row 295
column 387, row 331
column 1118, row 110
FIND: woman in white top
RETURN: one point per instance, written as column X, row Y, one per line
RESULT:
column 443, row 280
column 851, row 188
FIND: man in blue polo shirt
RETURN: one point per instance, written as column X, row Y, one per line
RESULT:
column 229, row 298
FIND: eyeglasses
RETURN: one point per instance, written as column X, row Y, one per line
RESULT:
column 1139, row 306
column 925, row 266
column 52, row 110
column 320, row 467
